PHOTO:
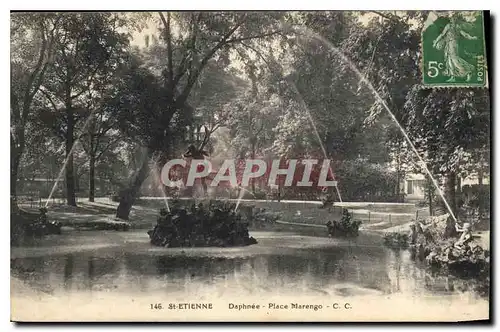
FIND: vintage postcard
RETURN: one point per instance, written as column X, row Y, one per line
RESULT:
column 269, row 166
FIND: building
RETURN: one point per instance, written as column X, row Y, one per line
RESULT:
column 414, row 185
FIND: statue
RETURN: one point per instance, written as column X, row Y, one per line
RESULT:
column 198, row 153
column 466, row 235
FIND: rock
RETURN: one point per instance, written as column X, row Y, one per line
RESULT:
column 432, row 242
column 215, row 225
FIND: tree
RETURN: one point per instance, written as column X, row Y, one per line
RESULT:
column 32, row 47
column 196, row 38
column 100, row 138
column 101, row 133
column 448, row 127
column 214, row 95
column 88, row 46
column 403, row 158
column 453, row 129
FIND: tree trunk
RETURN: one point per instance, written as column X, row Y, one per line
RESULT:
column 450, row 191
column 430, row 189
column 16, row 152
column 70, row 177
column 15, row 160
column 91, row 177
column 253, row 179
column 480, row 197
column 450, row 195
column 128, row 195
column 398, row 173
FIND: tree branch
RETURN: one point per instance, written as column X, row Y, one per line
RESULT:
column 105, row 148
column 89, row 83
column 28, row 92
column 47, row 95
column 49, row 51
column 191, row 49
column 257, row 133
column 168, row 39
column 193, row 76
column 258, row 53
column 235, row 40
column 387, row 16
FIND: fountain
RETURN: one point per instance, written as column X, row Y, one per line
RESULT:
column 157, row 181
column 362, row 80
column 429, row 241
column 198, row 152
column 379, row 99
column 214, row 226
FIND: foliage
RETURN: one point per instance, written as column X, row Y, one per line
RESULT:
column 215, row 225
column 251, row 124
column 87, row 49
column 26, row 226
column 469, row 260
column 272, row 84
column 32, row 39
column 360, row 180
column 476, row 197
column 347, row 227
column 452, row 126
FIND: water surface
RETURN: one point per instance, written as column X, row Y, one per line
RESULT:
column 113, row 266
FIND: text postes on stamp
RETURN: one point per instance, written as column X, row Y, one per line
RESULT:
column 453, row 50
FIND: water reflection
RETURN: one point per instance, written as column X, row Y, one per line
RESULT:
column 339, row 270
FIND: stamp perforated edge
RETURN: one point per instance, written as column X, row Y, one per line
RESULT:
column 438, row 86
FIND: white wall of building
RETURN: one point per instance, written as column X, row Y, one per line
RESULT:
column 414, row 185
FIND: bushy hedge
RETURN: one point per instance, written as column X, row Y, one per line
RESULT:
column 25, row 225
column 215, row 225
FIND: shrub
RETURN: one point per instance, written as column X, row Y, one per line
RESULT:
column 347, row 227
column 216, row 225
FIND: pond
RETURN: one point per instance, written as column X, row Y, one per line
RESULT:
column 92, row 275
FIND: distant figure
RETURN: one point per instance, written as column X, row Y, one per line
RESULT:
column 195, row 153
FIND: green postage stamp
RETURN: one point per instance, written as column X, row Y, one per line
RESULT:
column 453, row 50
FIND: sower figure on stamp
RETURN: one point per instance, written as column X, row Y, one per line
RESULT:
column 198, row 153
column 449, row 41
